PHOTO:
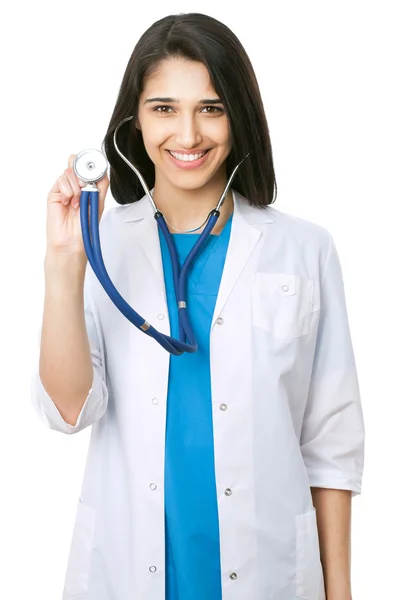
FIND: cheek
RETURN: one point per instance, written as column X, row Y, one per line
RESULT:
column 152, row 141
column 150, row 129
column 220, row 132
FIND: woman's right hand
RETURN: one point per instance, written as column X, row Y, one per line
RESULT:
column 63, row 228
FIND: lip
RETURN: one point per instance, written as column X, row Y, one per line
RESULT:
column 188, row 164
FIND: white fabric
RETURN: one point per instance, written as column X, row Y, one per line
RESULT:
column 281, row 361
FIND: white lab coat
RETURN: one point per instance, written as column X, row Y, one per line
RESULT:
column 285, row 403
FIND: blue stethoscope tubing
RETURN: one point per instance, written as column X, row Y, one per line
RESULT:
column 94, row 254
column 89, row 198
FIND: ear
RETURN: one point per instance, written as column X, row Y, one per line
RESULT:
column 137, row 124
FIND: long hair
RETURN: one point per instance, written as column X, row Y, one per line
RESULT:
column 202, row 38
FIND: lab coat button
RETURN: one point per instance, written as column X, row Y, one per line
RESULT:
column 285, row 288
column 153, row 569
column 219, row 321
column 228, row 492
column 233, row 576
column 223, row 407
column 153, row 486
column 155, row 401
column 160, row 316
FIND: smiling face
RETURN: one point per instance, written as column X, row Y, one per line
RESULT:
column 180, row 112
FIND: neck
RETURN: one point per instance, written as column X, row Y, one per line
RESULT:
column 188, row 209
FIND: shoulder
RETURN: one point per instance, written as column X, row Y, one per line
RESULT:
column 288, row 237
column 309, row 239
column 298, row 226
column 287, row 228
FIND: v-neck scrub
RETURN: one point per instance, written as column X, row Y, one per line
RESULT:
column 192, row 550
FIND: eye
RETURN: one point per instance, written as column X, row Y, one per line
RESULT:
column 161, row 106
column 216, row 108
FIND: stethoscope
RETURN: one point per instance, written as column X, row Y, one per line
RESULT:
column 90, row 166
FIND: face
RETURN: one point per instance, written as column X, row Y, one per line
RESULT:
column 185, row 123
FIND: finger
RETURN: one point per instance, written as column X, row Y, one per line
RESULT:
column 65, row 189
column 72, row 172
column 74, row 182
column 71, row 160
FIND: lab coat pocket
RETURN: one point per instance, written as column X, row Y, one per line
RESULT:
column 282, row 304
column 309, row 574
column 78, row 568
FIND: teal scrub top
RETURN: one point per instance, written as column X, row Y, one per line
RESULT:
column 192, row 554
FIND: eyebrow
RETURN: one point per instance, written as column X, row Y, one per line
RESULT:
column 203, row 101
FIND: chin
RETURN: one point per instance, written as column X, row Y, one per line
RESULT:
column 195, row 184
column 189, row 181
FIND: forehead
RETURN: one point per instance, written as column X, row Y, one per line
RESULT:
column 180, row 78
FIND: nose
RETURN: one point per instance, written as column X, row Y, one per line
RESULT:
column 187, row 132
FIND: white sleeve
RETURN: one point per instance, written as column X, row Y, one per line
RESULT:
column 97, row 399
column 332, row 435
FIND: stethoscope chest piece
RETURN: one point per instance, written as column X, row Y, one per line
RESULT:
column 90, row 165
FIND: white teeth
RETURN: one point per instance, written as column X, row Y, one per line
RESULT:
column 186, row 157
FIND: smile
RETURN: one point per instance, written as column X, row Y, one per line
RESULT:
column 187, row 157
column 188, row 161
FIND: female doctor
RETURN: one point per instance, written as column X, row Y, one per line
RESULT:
column 225, row 473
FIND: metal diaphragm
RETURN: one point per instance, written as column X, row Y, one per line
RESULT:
column 90, row 165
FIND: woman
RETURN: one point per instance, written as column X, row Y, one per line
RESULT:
column 226, row 473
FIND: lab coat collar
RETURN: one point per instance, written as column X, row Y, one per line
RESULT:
column 246, row 231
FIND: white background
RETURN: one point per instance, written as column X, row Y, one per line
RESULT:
column 329, row 80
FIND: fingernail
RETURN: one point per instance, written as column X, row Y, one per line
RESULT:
column 81, row 183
